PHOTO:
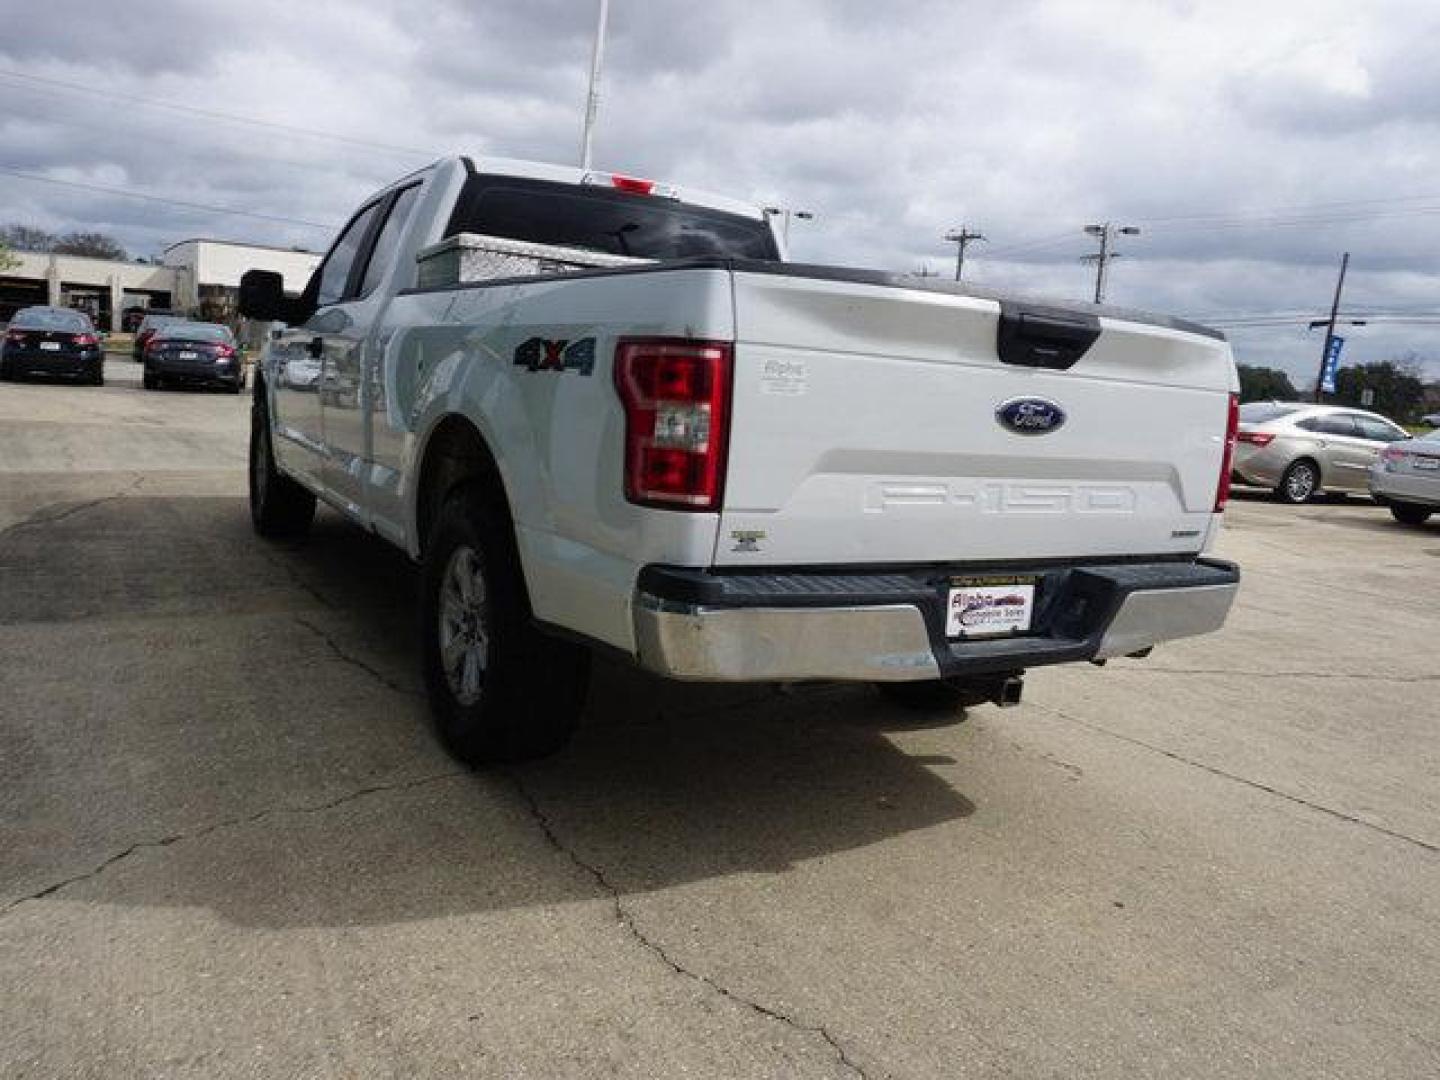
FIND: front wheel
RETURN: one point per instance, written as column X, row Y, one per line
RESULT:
column 499, row 689
column 1299, row 484
column 278, row 505
column 1410, row 514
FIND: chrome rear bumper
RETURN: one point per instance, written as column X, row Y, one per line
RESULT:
column 835, row 627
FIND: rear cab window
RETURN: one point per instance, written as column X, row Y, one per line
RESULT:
column 606, row 220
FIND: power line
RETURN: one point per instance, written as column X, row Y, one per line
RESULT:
column 327, row 165
column 212, row 114
column 209, row 209
column 1037, row 241
column 1291, row 208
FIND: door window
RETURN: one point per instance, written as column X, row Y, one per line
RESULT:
column 386, row 244
column 1378, row 430
column 335, row 272
column 1336, row 424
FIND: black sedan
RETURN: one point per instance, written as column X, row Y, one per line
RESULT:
column 196, row 354
column 52, row 341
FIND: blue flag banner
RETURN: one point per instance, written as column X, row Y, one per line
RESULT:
column 1332, row 364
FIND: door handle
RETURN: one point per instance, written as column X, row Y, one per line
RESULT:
column 316, row 347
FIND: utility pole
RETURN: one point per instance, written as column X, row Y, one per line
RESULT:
column 961, row 238
column 592, row 100
column 1106, row 233
column 1329, row 325
column 785, row 214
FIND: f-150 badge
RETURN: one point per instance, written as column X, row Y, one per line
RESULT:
column 1030, row 415
column 541, row 354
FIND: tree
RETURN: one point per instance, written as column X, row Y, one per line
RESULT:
column 24, row 238
column 1265, row 384
column 96, row 245
column 1399, row 393
column 7, row 259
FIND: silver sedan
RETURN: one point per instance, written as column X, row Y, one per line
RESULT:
column 1407, row 479
column 1298, row 450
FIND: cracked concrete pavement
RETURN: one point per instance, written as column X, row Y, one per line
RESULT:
column 230, row 847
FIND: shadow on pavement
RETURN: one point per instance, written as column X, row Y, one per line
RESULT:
column 665, row 784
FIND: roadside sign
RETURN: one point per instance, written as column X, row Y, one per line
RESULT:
column 1367, row 397
column 1332, row 364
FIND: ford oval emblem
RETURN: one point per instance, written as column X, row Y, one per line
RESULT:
column 1030, row 415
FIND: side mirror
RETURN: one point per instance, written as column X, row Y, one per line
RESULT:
column 263, row 297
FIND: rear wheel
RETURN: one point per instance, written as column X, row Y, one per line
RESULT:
column 1300, row 482
column 278, row 505
column 149, row 381
column 499, row 689
column 1410, row 514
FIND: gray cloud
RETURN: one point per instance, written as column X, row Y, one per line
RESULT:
column 892, row 121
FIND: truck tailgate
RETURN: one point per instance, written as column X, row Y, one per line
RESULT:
column 866, row 428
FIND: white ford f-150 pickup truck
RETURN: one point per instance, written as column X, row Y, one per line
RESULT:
column 603, row 411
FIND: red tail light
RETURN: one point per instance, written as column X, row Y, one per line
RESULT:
column 1394, row 454
column 224, row 352
column 86, row 340
column 15, row 336
column 1255, row 438
column 1232, row 426
column 676, row 395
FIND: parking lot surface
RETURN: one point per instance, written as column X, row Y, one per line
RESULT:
column 229, row 845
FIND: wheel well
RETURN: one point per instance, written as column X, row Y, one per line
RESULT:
column 455, row 454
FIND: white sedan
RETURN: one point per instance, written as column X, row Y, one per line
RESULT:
column 1406, row 478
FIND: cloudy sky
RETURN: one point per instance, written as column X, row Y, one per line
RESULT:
column 1251, row 141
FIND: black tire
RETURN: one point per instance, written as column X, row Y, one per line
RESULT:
column 148, row 381
column 279, row 507
column 525, row 689
column 1300, row 482
column 1410, row 514
column 98, row 379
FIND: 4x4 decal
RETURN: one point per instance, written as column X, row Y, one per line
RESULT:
column 541, row 354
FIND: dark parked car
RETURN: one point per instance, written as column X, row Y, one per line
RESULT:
column 52, row 341
column 196, row 353
column 152, row 322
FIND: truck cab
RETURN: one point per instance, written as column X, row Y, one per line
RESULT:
column 640, row 428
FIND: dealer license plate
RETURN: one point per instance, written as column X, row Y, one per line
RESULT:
column 186, row 354
column 50, row 346
column 1427, row 463
column 989, row 606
